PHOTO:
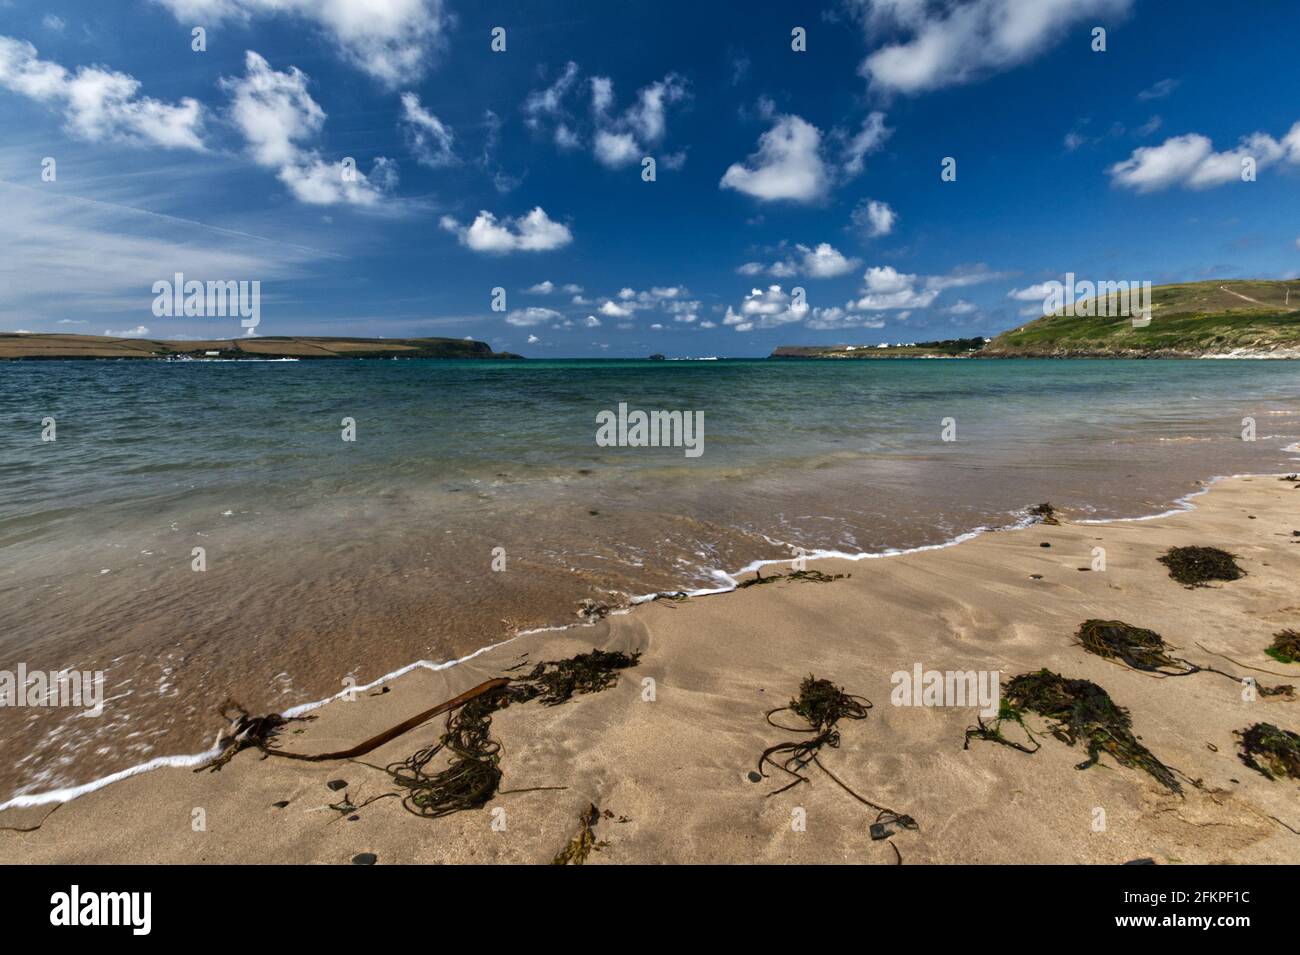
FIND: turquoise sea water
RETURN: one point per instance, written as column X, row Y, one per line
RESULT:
column 327, row 558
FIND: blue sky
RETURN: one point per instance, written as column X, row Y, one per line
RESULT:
column 775, row 170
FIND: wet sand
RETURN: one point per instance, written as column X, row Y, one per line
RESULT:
column 677, row 767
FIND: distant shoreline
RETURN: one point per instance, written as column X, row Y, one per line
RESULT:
column 44, row 347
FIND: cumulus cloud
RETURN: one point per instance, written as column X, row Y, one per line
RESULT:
column 616, row 139
column 1191, row 161
column 823, row 261
column 788, row 164
column 277, row 116
column 99, row 104
column 874, row 218
column 393, row 41
column 887, row 289
column 534, row 232
column 533, row 315
column 766, row 308
column 430, row 139
column 948, row 44
column 791, row 161
column 138, row 332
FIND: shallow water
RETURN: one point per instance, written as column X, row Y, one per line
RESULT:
column 329, row 559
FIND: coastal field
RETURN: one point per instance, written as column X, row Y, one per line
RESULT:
column 669, row 756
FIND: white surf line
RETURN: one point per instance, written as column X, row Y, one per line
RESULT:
column 730, row 584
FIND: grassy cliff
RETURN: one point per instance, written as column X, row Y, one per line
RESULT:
column 1248, row 319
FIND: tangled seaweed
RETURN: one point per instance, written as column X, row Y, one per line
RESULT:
column 584, row 841
column 1195, row 566
column 1044, row 513
column 1269, row 750
column 815, row 576
column 1145, row 650
column 472, row 777
column 821, row 704
column 1078, row 710
column 1141, row 649
column 1285, row 647
column 473, row 774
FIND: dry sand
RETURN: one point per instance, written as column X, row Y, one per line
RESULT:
column 677, row 767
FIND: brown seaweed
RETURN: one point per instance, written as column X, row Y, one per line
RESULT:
column 584, row 841
column 821, row 704
column 1196, row 566
column 1271, row 751
column 1078, row 710
column 815, row 576
column 1044, row 513
column 1141, row 649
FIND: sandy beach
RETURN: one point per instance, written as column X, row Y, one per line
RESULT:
column 674, row 771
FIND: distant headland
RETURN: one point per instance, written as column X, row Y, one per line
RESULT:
column 40, row 346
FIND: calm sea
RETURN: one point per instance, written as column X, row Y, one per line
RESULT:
column 328, row 559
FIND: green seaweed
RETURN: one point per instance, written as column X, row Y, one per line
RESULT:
column 1285, row 647
column 1271, row 751
column 1078, row 710
column 1196, row 566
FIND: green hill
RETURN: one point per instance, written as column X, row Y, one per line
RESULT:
column 1248, row 319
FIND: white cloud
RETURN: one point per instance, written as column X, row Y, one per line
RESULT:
column 591, row 321
column 887, row 289
column 765, row 308
column 100, row 104
column 1191, row 162
column 961, row 307
column 835, row 318
column 550, row 101
column 53, row 23
column 957, row 42
column 533, row 315
column 874, row 218
column 430, row 139
column 392, row 40
column 534, row 232
column 138, row 332
column 103, row 257
column 542, row 288
column 533, row 339
column 1158, row 90
column 613, row 310
column 788, row 164
column 822, row 262
column 1031, row 293
column 616, row 149
column 869, row 138
column 277, row 115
